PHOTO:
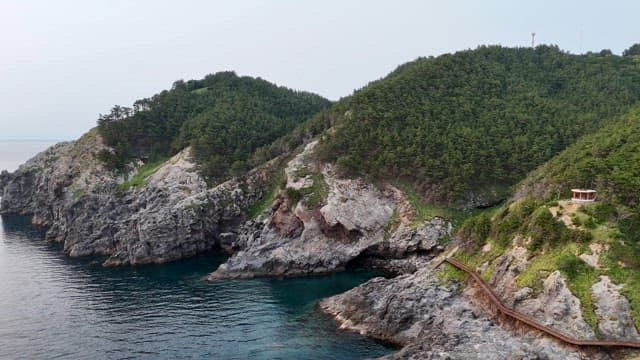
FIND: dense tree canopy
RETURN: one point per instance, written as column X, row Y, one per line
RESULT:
column 608, row 161
column 225, row 118
column 479, row 118
column 634, row 50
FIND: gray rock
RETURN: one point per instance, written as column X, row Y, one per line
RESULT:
column 555, row 306
column 5, row 177
column 408, row 240
column 351, row 224
column 432, row 321
column 355, row 206
column 613, row 311
column 558, row 308
column 173, row 216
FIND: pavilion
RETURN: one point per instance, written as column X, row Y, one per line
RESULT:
column 583, row 195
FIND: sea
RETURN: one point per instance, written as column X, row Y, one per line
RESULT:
column 56, row 307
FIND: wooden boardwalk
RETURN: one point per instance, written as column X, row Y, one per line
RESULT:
column 533, row 322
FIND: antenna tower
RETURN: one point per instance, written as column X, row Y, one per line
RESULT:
column 533, row 37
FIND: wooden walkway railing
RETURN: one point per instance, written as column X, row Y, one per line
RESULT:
column 533, row 322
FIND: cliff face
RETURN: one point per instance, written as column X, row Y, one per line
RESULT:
column 556, row 306
column 337, row 221
column 434, row 321
column 317, row 223
column 434, row 317
column 174, row 215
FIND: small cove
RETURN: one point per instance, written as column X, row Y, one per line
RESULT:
column 52, row 305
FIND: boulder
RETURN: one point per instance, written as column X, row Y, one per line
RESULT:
column 614, row 311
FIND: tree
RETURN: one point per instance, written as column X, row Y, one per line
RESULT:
column 223, row 117
column 632, row 51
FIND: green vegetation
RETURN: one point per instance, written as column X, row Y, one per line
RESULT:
column 450, row 275
column 223, row 117
column 78, row 193
column 580, row 276
column 558, row 251
column 478, row 119
column 318, row 192
column 476, row 229
column 393, row 223
column 425, row 211
column 278, row 182
column 139, row 179
column 261, row 205
column 312, row 196
column 607, row 161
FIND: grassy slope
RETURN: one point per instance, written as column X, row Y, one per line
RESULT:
column 139, row 179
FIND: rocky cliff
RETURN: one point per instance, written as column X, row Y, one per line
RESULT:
column 556, row 306
column 318, row 222
column 321, row 223
column 435, row 320
column 172, row 215
column 433, row 316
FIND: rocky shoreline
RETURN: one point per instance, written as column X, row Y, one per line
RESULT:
column 351, row 223
column 317, row 223
column 173, row 216
column 433, row 320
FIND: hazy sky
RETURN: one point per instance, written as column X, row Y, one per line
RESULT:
column 63, row 62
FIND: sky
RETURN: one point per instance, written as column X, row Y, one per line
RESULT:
column 63, row 62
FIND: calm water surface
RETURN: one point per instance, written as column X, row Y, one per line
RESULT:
column 52, row 306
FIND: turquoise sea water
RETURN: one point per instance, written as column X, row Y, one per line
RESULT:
column 52, row 306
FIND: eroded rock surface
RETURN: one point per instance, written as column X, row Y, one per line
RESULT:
column 558, row 308
column 352, row 222
column 613, row 310
column 312, row 240
column 554, row 306
column 174, row 215
column 432, row 321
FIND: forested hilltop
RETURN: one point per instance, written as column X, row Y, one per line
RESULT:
column 459, row 124
column 223, row 117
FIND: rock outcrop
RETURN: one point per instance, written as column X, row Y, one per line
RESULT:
column 558, row 308
column 173, row 215
column 317, row 223
column 433, row 321
column 5, row 177
column 613, row 310
column 351, row 222
column 554, row 306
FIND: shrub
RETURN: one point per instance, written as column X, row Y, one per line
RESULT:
column 476, row 230
column 294, row 196
column 544, row 228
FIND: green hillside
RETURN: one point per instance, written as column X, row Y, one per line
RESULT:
column 608, row 160
column 225, row 118
column 558, row 231
column 477, row 119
